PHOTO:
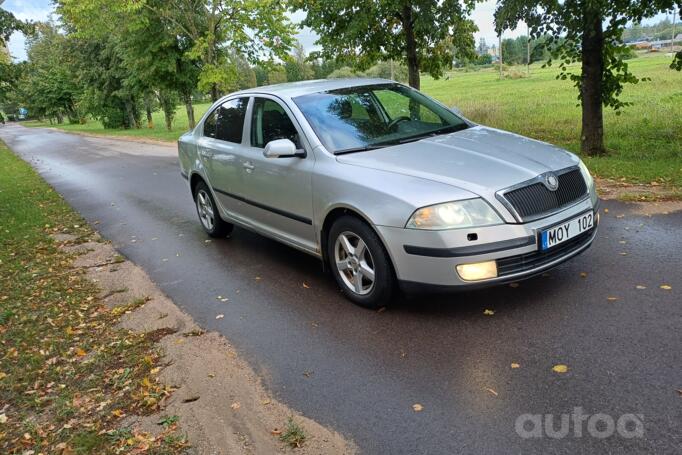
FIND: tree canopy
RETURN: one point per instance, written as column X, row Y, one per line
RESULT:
column 427, row 34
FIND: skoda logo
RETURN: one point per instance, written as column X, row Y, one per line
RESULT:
column 551, row 182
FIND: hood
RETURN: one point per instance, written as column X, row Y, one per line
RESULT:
column 479, row 159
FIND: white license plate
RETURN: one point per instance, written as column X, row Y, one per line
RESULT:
column 565, row 231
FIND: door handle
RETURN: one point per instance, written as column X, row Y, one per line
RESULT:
column 248, row 166
column 205, row 153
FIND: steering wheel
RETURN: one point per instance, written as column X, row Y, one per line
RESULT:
column 395, row 121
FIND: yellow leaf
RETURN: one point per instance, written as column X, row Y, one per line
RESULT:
column 80, row 352
column 612, row 299
column 2, row 375
column 667, row 287
column 583, row 274
column 560, row 368
column 639, row 286
column 236, row 405
column 488, row 312
column 155, row 370
column 117, row 412
column 515, row 365
column 417, row 407
column 3, row 418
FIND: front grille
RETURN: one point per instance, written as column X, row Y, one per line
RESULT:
column 529, row 261
column 536, row 198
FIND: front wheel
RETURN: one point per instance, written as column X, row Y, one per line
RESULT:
column 360, row 263
column 208, row 212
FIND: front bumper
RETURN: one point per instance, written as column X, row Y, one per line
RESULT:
column 431, row 257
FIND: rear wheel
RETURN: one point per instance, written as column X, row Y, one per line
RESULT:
column 208, row 212
column 360, row 263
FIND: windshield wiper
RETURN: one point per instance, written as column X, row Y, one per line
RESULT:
column 364, row 148
column 436, row 132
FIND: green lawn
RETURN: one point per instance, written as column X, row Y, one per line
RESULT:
column 644, row 143
column 68, row 376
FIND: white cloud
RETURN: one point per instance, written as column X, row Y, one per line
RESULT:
column 33, row 10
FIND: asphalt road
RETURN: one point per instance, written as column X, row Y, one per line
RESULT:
column 360, row 371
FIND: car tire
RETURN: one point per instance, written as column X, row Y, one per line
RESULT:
column 209, row 216
column 360, row 263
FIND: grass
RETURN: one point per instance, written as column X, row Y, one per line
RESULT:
column 293, row 434
column 68, row 377
column 644, row 143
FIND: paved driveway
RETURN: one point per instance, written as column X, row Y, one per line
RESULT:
column 361, row 372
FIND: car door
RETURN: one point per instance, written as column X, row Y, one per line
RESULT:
column 219, row 149
column 277, row 192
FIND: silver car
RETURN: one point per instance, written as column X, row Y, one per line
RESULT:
column 387, row 186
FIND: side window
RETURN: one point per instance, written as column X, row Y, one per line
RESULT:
column 209, row 124
column 230, row 122
column 269, row 122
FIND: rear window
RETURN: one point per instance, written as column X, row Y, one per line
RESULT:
column 230, row 124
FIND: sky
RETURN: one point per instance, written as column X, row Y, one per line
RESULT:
column 40, row 10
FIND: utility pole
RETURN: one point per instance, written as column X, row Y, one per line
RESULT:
column 528, row 49
column 500, row 52
column 672, row 39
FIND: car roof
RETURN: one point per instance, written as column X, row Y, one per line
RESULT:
column 294, row 89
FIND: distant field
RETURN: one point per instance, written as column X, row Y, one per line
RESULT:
column 644, row 143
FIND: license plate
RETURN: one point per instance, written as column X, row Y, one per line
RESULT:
column 566, row 230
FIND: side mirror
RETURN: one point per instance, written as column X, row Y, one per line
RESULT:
column 281, row 148
column 456, row 110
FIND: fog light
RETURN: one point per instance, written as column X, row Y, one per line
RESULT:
column 477, row 271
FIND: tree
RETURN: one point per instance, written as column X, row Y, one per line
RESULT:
column 589, row 32
column 297, row 68
column 427, row 34
column 253, row 29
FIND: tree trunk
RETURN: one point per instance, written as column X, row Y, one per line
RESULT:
column 411, row 48
column 168, row 106
column 592, row 135
column 130, row 115
column 214, row 93
column 190, row 111
column 148, row 109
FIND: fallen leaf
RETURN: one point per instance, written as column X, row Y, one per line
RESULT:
column 220, row 316
column 623, row 253
column 80, row 352
column 639, row 286
column 2, row 375
column 265, row 402
column 560, row 368
column 276, row 431
column 491, row 391
column 612, row 299
column 583, row 274
column 606, row 210
column 3, row 418
column 211, row 375
column 667, row 287
column 191, row 399
column 236, row 405
column 488, row 312
column 305, row 285
column 417, row 407
column 513, row 285
column 515, row 365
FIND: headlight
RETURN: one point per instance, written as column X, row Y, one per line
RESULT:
column 586, row 174
column 453, row 215
column 589, row 181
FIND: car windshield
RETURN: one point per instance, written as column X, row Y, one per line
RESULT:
column 367, row 117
